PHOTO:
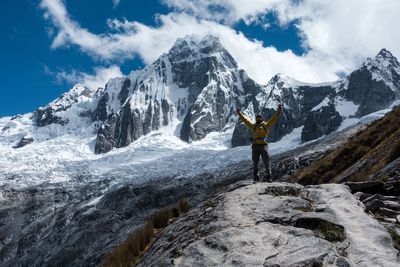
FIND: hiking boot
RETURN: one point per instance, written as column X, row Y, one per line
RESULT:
column 256, row 179
column 267, row 178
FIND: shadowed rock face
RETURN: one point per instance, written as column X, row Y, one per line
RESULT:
column 370, row 94
column 24, row 141
column 320, row 122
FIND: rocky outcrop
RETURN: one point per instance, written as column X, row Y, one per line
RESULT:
column 275, row 224
column 24, row 141
column 319, row 122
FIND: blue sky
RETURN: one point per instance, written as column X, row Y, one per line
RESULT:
column 47, row 45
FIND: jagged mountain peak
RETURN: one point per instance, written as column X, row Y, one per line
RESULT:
column 206, row 44
column 383, row 60
column 385, row 68
column 280, row 78
column 78, row 97
column 194, row 47
column 384, row 53
column 77, row 91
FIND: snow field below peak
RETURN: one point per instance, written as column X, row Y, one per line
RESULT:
column 157, row 154
column 66, row 158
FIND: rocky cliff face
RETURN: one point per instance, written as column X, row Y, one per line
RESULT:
column 192, row 89
column 376, row 84
column 321, row 121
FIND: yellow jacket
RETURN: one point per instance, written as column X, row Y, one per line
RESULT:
column 260, row 131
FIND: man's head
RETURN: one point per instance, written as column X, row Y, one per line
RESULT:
column 259, row 118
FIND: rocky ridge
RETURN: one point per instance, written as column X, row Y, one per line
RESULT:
column 276, row 224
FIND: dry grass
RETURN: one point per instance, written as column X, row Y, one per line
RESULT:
column 131, row 250
column 394, row 153
column 371, row 145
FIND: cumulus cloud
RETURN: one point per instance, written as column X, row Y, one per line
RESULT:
column 98, row 79
column 336, row 34
column 346, row 31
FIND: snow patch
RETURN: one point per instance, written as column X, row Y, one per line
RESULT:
column 345, row 108
column 324, row 103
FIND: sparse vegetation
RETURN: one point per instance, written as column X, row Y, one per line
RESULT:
column 394, row 153
column 325, row 229
column 131, row 250
column 370, row 145
column 395, row 238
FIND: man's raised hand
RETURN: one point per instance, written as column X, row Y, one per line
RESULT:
column 238, row 110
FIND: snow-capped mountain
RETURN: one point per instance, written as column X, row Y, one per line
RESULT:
column 322, row 108
column 193, row 90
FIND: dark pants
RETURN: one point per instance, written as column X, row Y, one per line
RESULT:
column 257, row 151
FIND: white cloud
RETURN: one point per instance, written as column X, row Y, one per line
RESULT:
column 337, row 34
column 347, row 31
column 226, row 11
column 98, row 79
column 116, row 2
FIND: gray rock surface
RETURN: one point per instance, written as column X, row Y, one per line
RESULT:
column 275, row 224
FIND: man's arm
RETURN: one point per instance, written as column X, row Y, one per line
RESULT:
column 244, row 119
column 274, row 118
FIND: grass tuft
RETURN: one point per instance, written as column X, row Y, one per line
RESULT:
column 131, row 250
